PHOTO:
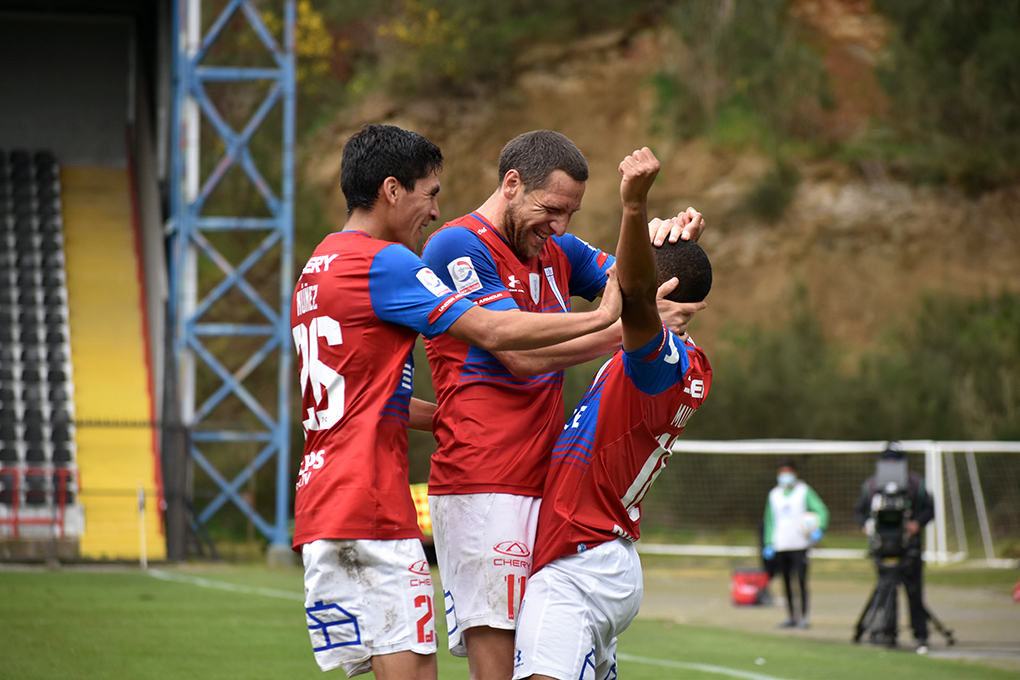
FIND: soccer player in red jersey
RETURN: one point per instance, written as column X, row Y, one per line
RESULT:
column 499, row 413
column 586, row 586
column 360, row 302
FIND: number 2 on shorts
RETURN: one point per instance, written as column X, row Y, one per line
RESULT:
column 424, row 636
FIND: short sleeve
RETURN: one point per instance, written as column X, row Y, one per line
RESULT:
column 588, row 266
column 404, row 291
column 464, row 263
column 658, row 365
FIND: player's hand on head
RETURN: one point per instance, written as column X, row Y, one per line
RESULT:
column 612, row 296
column 692, row 224
column 676, row 315
column 639, row 170
column 687, row 226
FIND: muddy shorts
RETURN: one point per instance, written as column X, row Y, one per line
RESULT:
column 484, row 543
column 366, row 598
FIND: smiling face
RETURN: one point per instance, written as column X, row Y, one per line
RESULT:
column 414, row 209
column 531, row 218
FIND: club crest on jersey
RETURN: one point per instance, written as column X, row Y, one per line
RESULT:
column 465, row 278
column 429, row 279
column 536, row 287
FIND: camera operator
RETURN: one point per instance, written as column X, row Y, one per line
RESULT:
column 921, row 510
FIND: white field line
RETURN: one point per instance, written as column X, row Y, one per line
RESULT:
column 704, row 668
column 290, row 595
column 223, row 585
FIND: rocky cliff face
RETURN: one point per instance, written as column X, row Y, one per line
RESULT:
column 862, row 245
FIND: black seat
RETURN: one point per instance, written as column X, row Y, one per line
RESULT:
column 60, row 416
column 7, row 489
column 35, row 454
column 55, row 337
column 34, row 434
column 31, row 395
column 35, row 490
column 8, row 454
column 61, row 434
column 57, row 396
column 49, row 245
column 31, row 375
column 8, row 433
column 56, row 375
column 52, row 282
column 28, row 337
column 33, row 416
column 61, row 455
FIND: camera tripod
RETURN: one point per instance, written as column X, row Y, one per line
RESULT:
column 879, row 617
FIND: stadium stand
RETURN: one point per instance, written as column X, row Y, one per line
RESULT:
column 38, row 469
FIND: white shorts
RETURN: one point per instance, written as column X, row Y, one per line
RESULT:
column 367, row 598
column 575, row 608
column 483, row 545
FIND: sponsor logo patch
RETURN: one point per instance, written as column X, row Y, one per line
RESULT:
column 512, row 548
column 465, row 278
column 429, row 279
column 420, row 567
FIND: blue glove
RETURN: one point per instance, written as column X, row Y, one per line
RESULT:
column 816, row 535
column 768, row 552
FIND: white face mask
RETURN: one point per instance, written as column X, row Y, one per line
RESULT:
column 786, row 478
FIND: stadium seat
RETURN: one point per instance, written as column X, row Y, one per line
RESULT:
column 61, row 434
column 61, row 455
column 35, row 490
column 35, row 454
column 8, row 454
column 33, row 434
column 7, row 489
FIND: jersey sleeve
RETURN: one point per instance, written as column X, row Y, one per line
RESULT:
column 588, row 266
column 658, row 365
column 404, row 291
column 462, row 262
column 815, row 505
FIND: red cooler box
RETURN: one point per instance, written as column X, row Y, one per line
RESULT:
column 746, row 585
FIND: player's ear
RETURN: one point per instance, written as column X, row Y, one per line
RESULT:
column 390, row 190
column 511, row 186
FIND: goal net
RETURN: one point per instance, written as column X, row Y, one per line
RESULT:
column 710, row 498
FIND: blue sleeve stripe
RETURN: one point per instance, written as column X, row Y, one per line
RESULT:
column 586, row 438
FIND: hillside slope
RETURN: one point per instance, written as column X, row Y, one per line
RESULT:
column 862, row 246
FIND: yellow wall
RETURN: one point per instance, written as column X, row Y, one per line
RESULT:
column 109, row 362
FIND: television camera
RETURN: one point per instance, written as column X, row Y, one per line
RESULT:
column 891, row 547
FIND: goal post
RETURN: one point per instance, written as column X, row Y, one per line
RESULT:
column 710, row 499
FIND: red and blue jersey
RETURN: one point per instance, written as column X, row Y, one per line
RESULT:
column 357, row 309
column 494, row 431
column 616, row 443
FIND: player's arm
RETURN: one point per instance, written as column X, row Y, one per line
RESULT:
column 420, row 414
column 492, row 330
column 635, row 260
column 676, row 316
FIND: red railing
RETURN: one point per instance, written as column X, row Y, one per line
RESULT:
column 65, row 478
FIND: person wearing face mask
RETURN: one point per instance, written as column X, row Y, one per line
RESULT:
column 795, row 520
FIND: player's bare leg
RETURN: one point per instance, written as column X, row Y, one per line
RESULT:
column 490, row 653
column 405, row 666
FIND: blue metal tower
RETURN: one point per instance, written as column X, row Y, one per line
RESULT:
column 209, row 328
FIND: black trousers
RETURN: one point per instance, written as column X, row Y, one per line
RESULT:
column 912, row 578
column 794, row 561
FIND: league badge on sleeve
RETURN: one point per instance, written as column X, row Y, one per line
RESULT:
column 465, row 278
column 429, row 279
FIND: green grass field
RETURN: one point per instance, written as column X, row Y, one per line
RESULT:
column 228, row 621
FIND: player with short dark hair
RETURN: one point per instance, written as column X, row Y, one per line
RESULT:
column 587, row 584
column 359, row 304
column 499, row 413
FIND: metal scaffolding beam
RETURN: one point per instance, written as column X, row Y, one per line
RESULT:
column 209, row 327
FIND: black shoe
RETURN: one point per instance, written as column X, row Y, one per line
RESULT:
column 788, row 623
